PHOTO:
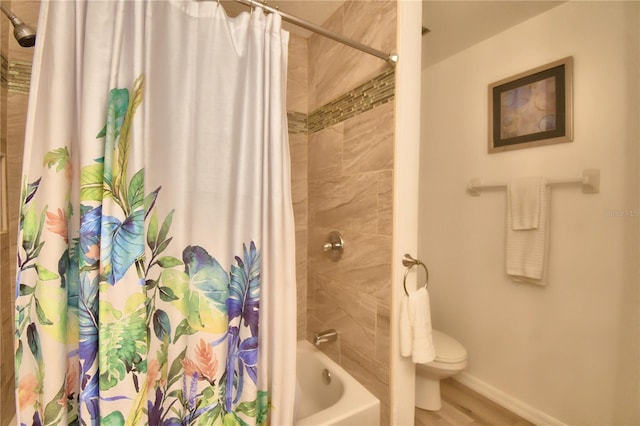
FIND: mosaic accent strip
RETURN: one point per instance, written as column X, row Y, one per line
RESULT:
column 365, row 97
column 16, row 76
column 297, row 122
column 4, row 70
column 19, row 77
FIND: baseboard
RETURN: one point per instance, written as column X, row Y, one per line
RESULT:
column 512, row 404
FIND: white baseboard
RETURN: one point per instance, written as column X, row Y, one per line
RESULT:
column 507, row 401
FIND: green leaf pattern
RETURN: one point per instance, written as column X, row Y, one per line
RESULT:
column 144, row 328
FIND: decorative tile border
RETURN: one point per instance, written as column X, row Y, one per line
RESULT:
column 16, row 77
column 19, row 77
column 375, row 92
column 369, row 95
column 4, row 70
column 297, row 122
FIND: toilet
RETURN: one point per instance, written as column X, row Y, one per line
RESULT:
column 451, row 359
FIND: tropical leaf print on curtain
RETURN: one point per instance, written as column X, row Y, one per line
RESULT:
column 150, row 337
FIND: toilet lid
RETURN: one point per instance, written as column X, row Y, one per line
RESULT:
column 447, row 348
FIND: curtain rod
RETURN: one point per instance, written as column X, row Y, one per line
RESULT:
column 391, row 58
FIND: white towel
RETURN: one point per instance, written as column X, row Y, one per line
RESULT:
column 527, row 242
column 416, row 339
column 524, row 202
column 406, row 335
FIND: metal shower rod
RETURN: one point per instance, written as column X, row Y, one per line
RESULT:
column 391, row 58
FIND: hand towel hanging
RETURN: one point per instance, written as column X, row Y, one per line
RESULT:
column 527, row 229
column 416, row 339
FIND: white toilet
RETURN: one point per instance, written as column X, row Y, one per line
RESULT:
column 451, row 359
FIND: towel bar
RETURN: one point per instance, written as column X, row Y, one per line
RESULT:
column 409, row 262
column 590, row 182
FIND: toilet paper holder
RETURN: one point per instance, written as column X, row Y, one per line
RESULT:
column 409, row 262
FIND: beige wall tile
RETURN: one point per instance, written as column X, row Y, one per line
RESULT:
column 5, row 33
column 368, row 140
column 297, row 75
column 16, row 117
column 319, row 308
column 301, row 283
column 6, row 329
column 388, row 19
column 297, row 102
column 299, row 205
column 336, row 69
column 371, row 375
column 362, row 23
column 346, row 202
column 325, row 152
column 343, row 308
column 17, row 112
column 385, row 202
column 324, row 58
column 298, row 154
column 378, row 120
column 383, row 334
column 359, row 19
column 365, row 263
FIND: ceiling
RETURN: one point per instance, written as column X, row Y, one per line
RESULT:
column 454, row 24
column 458, row 24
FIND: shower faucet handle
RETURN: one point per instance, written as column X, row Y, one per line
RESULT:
column 334, row 246
column 330, row 335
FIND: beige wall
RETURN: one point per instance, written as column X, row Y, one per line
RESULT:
column 569, row 350
column 12, row 118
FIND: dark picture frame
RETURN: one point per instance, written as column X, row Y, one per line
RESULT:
column 533, row 108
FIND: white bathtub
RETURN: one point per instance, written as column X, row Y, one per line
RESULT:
column 343, row 401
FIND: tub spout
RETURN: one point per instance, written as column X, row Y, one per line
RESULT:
column 330, row 335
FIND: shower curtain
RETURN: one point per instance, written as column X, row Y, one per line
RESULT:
column 156, row 280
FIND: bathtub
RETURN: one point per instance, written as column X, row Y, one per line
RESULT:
column 343, row 401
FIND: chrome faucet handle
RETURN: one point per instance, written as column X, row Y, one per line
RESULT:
column 330, row 335
column 334, row 246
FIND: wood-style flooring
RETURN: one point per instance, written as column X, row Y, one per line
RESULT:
column 463, row 406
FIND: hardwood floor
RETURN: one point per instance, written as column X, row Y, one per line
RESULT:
column 463, row 406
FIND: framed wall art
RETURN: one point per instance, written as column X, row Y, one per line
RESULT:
column 533, row 108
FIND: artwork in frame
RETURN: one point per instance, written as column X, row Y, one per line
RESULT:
column 533, row 108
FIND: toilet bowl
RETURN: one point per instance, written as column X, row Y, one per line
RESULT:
column 451, row 359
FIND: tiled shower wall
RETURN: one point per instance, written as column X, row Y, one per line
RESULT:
column 15, row 74
column 342, row 179
column 6, row 341
column 297, row 81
